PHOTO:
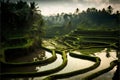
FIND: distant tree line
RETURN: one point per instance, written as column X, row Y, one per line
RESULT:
column 91, row 18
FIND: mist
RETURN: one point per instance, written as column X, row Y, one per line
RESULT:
column 51, row 7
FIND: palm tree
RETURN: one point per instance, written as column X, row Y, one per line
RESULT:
column 32, row 5
column 77, row 11
column 109, row 9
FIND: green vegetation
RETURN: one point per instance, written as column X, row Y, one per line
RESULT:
column 43, row 73
column 94, row 75
column 91, row 19
column 90, row 50
column 81, row 40
column 19, row 18
column 70, row 74
column 87, row 32
column 21, row 27
column 46, row 61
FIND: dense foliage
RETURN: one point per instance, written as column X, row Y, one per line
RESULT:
column 89, row 31
column 92, row 18
column 19, row 19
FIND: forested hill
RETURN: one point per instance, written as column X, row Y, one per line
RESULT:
column 92, row 18
column 19, row 19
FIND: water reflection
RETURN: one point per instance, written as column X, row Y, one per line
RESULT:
column 76, row 64
column 40, row 56
column 106, row 76
column 105, row 62
column 52, row 65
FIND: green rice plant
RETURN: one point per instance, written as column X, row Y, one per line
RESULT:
column 96, row 74
column 35, row 74
column 90, row 50
column 46, row 61
column 73, row 73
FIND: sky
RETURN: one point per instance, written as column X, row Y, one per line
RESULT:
column 51, row 7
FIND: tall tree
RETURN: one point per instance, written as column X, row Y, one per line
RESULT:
column 110, row 9
column 103, row 10
column 77, row 11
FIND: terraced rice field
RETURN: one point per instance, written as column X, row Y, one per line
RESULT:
column 76, row 56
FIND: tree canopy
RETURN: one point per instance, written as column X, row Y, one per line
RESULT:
column 19, row 18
